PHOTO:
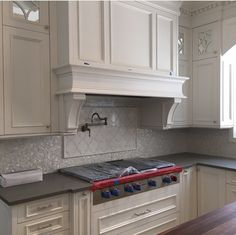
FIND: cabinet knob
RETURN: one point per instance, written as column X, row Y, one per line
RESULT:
column 48, row 126
column 46, row 27
column 215, row 52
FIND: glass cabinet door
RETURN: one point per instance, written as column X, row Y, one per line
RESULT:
column 32, row 15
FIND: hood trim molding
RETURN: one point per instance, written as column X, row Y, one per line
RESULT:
column 75, row 81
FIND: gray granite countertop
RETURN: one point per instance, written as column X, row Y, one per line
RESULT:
column 189, row 159
column 54, row 184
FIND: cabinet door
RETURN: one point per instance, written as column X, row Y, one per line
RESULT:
column 91, row 31
column 211, row 189
column 206, row 41
column 188, row 198
column 206, row 97
column 230, row 193
column 32, row 15
column 1, row 77
column 26, row 81
column 166, row 43
column 81, row 213
column 183, row 113
column 132, row 35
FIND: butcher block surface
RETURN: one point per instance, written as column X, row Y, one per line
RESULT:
column 218, row 222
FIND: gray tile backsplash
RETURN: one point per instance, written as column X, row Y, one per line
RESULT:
column 122, row 138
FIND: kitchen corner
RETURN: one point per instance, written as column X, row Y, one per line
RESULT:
column 128, row 110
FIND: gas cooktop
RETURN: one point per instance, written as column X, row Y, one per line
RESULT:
column 114, row 169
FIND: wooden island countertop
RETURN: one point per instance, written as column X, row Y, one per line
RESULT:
column 218, row 222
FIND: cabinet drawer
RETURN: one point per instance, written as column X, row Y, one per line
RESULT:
column 47, row 225
column 133, row 216
column 150, row 227
column 39, row 208
column 66, row 232
column 231, row 177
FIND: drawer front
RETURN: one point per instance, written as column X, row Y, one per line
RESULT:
column 154, row 208
column 151, row 227
column 231, row 177
column 66, row 232
column 53, row 224
column 39, row 208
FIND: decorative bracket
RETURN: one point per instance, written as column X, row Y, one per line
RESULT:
column 70, row 105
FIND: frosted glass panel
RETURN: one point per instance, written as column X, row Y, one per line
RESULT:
column 27, row 10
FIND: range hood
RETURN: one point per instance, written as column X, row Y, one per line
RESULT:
column 77, row 81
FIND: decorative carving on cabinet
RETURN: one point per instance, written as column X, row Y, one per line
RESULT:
column 181, row 43
column 204, row 40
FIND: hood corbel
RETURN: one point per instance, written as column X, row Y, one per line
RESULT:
column 70, row 105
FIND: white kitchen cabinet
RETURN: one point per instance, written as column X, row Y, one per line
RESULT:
column 206, row 41
column 166, row 42
column 230, row 186
column 1, row 77
column 213, row 92
column 183, row 113
column 211, row 189
column 31, row 15
column 188, row 194
column 45, row 216
column 132, row 35
column 26, row 81
column 81, row 222
column 123, row 36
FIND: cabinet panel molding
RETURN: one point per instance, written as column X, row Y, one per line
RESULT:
column 26, row 81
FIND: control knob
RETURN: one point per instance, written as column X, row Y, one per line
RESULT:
column 152, row 183
column 174, row 178
column 137, row 186
column 115, row 192
column 166, row 180
column 106, row 194
column 129, row 188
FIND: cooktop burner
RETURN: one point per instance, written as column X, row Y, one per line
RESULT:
column 114, row 169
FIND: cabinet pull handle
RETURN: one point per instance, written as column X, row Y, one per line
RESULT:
column 86, row 63
column 143, row 213
column 41, row 208
column 44, row 226
column 46, row 27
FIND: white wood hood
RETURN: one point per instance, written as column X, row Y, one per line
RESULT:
column 116, row 48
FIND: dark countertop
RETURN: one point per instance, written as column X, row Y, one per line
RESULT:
column 218, row 222
column 54, row 184
column 189, row 159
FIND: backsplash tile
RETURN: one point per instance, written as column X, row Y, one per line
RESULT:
column 119, row 135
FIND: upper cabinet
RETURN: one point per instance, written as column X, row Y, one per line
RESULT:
column 132, row 35
column 206, row 41
column 26, row 81
column 122, row 36
column 26, row 68
column 32, row 15
column 166, row 42
column 1, row 77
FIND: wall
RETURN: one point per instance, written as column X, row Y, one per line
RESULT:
column 212, row 142
column 47, row 152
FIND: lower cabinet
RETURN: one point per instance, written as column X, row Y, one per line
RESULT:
column 188, row 194
column 211, row 189
column 150, row 212
column 46, row 216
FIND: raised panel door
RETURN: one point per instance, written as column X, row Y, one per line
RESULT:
column 206, row 97
column 211, row 189
column 91, row 32
column 131, row 35
column 206, row 41
column 32, row 15
column 166, row 43
column 26, row 81
column 230, row 193
column 1, row 77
